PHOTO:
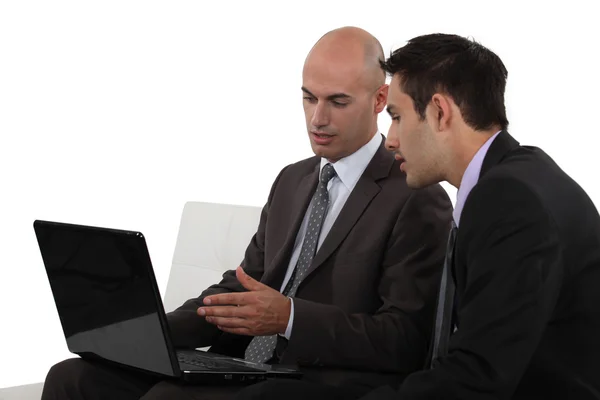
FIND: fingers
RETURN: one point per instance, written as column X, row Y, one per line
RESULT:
column 238, row 326
column 227, row 311
column 228, row 322
column 237, row 331
column 243, row 298
column 248, row 282
column 226, row 299
column 246, row 312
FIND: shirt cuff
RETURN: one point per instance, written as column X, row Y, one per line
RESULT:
column 288, row 330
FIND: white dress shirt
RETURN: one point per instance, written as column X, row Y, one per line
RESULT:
column 348, row 170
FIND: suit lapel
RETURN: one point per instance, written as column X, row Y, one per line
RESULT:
column 300, row 203
column 365, row 190
column 500, row 147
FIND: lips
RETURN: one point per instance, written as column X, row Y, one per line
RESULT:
column 322, row 138
column 398, row 157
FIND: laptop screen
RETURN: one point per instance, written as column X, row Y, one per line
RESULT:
column 104, row 289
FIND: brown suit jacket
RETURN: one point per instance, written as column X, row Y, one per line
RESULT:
column 364, row 312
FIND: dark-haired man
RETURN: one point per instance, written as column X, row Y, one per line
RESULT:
column 519, row 308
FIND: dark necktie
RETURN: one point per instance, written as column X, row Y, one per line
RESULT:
column 261, row 348
column 445, row 303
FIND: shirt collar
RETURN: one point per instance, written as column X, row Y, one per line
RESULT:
column 350, row 168
column 470, row 178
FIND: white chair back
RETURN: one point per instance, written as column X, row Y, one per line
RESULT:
column 212, row 239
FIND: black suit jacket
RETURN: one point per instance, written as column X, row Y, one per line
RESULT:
column 364, row 312
column 527, row 273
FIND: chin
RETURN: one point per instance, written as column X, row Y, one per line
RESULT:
column 321, row 152
column 414, row 182
column 413, row 185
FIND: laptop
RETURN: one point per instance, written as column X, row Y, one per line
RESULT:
column 110, row 308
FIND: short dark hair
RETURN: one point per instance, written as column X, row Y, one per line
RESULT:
column 471, row 74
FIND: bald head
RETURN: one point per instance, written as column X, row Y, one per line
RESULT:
column 344, row 90
column 353, row 51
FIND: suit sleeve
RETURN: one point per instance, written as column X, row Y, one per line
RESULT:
column 187, row 328
column 513, row 261
column 395, row 337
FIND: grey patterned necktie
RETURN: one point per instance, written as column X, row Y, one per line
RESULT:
column 261, row 348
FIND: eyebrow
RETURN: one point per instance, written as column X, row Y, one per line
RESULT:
column 334, row 96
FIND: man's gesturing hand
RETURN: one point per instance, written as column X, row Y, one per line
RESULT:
column 258, row 312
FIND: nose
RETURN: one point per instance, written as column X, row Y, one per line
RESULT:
column 320, row 117
column 391, row 141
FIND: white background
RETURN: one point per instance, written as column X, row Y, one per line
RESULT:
column 115, row 113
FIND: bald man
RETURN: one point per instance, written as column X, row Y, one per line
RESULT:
column 340, row 278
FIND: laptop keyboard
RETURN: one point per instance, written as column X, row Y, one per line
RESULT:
column 197, row 361
column 206, row 363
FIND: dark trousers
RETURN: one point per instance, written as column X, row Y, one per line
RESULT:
column 293, row 389
column 78, row 379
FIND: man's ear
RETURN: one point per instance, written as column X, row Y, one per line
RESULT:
column 441, row 111
column 381, row 98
